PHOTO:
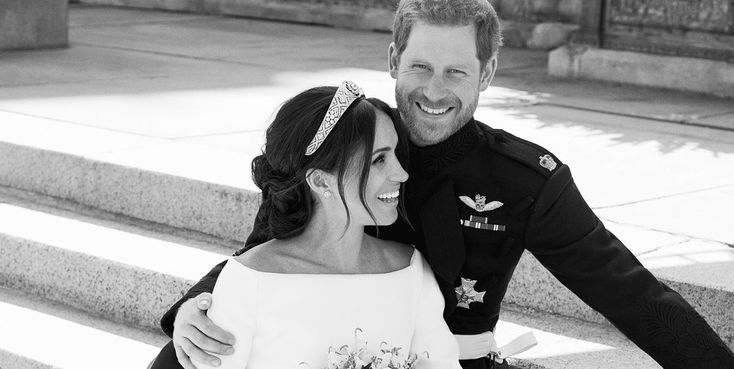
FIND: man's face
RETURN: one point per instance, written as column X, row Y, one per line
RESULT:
column 438, row 80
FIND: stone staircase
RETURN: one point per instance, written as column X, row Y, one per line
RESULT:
column 95, row 252
column 124, row 183
column 41, row 334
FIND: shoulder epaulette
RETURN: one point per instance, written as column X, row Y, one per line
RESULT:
column 523, row 151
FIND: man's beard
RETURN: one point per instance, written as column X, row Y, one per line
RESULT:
column 422, row 133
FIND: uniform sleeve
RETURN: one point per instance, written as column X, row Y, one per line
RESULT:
column 258, row 235
column 431, row 334
column 572, row 243
column 206, row 284
column 234, row 308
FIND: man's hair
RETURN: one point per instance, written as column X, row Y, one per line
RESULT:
column 450, row 13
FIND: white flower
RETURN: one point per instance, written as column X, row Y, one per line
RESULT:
column 358, row 357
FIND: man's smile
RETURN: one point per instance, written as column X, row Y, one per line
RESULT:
column 433, row 111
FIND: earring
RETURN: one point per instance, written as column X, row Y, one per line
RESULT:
column 327, row 194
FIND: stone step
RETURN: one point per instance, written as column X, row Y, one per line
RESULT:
column 568, row 343
column 159, row 197
column 39, row 334
column 708, row 285
column 53, row 251
column 216, row 209
column 93, row 262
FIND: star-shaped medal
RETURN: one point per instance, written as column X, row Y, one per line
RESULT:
column 466, row 294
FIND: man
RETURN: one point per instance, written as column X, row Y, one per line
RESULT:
column 477, row 197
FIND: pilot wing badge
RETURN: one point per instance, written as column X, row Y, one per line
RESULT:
column 479, row 203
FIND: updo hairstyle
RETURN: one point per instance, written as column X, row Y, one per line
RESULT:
column 280, row 172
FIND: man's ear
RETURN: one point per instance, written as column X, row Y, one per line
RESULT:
column 318, row 180
column 488, row 73
column 393, row 60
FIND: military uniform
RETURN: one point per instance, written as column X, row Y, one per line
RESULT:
column 480, row 198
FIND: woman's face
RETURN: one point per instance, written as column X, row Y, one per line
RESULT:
column 383, row 183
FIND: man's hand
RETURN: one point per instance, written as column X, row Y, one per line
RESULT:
column 194, row 333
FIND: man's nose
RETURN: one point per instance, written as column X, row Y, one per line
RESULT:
column 435, row 89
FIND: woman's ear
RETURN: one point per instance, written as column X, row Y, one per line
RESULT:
column 319, row 182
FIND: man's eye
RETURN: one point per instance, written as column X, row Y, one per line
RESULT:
column 419, row 66
column 456, row 71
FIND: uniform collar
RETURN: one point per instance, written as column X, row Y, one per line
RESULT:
column 434, row 158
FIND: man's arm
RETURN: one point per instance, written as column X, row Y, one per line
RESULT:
column 194, row 335
column 258, row 235
column 186, row 321
column 206, row 284
column 571, row 242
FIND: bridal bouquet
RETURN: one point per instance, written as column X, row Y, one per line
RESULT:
column 358, row 357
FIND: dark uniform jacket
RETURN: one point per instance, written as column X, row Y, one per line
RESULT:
column 479, row 199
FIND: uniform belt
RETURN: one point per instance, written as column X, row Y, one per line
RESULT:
column 475, row 346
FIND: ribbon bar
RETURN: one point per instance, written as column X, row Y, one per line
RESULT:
column 484, row 226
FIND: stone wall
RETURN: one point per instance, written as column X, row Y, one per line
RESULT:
column 541, row 24
column 31, row 24
column 536, row 11
column 360, row 14
column 697, row 28
column 380, row 4
column 567, row 11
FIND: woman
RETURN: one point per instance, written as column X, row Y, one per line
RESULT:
column 321, row 293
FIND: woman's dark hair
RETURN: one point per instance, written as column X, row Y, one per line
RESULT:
column 280, row 172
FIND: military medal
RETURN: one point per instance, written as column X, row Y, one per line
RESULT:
column 482, row 225
column 547, row 162
column 479, row 203
column 466, row 294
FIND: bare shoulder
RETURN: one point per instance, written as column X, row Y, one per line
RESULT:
column 265, row 257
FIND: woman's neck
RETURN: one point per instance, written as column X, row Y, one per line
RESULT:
column 328, row 243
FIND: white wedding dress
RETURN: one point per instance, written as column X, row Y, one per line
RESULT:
column 283, row 320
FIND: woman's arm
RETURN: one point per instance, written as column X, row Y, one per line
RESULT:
column 432, row 335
